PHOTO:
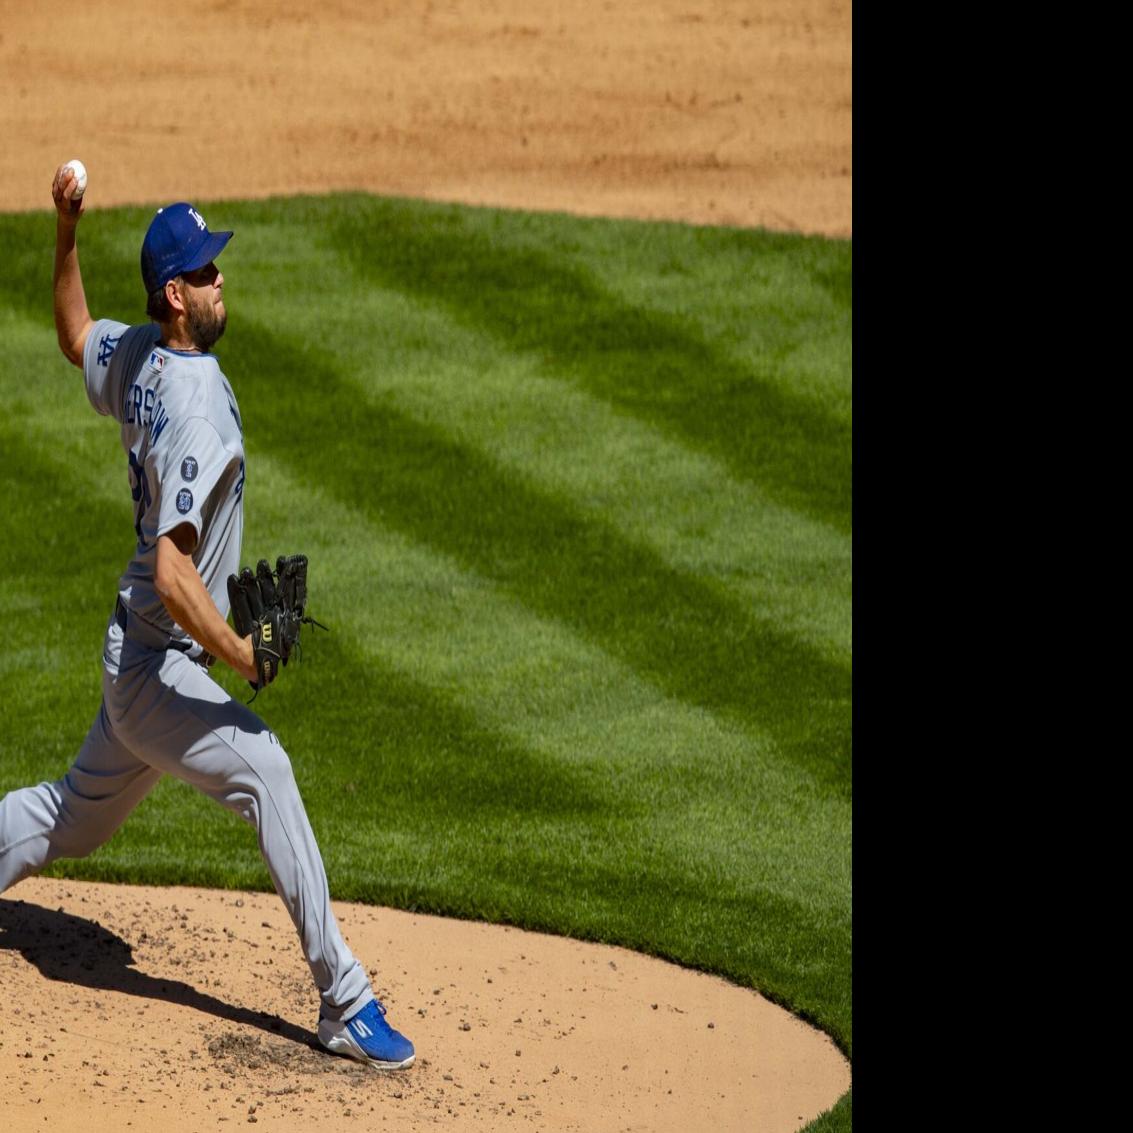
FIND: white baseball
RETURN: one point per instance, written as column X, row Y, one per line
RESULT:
column 80, row 172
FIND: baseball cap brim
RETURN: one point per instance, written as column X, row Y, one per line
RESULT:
column 207, row 252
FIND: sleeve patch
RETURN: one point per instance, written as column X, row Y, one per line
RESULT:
column 107, row 344
column 184, row 501
column 189, row 468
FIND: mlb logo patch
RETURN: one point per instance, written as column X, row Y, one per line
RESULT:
column 156, row 361
column 184, row 501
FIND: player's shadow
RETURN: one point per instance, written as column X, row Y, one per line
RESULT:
column 75, row 950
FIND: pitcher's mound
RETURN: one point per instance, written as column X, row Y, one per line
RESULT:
column 187, row 1009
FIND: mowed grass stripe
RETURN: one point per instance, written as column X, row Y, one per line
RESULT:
column 500, row 273
column 680, row 504
column 538, row 684
column 670, row 627
column 792, row 572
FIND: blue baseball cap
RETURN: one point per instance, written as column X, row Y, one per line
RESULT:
column 177, row 241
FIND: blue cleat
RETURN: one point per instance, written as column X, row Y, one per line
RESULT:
column 367, row 1037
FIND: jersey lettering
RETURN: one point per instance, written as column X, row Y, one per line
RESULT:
column 143, row 408
column 160, row 420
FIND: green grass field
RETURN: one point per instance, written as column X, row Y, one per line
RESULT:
column 577, row 496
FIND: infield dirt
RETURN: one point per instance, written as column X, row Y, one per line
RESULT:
column 177, row 1009
column 718, row 112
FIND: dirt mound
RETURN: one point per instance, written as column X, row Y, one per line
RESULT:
column 179, row 1009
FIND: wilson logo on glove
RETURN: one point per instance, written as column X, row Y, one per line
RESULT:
column 270, row 607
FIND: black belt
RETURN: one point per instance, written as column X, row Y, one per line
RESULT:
column 122, row 618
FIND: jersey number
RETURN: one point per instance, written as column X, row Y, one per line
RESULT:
column 139, row 489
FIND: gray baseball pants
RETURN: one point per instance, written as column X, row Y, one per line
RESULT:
column 161, row 714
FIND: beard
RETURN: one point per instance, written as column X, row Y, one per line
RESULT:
column 205, row 324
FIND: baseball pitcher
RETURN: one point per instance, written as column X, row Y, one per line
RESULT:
column 161, row 712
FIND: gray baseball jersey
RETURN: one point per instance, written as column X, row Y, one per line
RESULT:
column 182, row 436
